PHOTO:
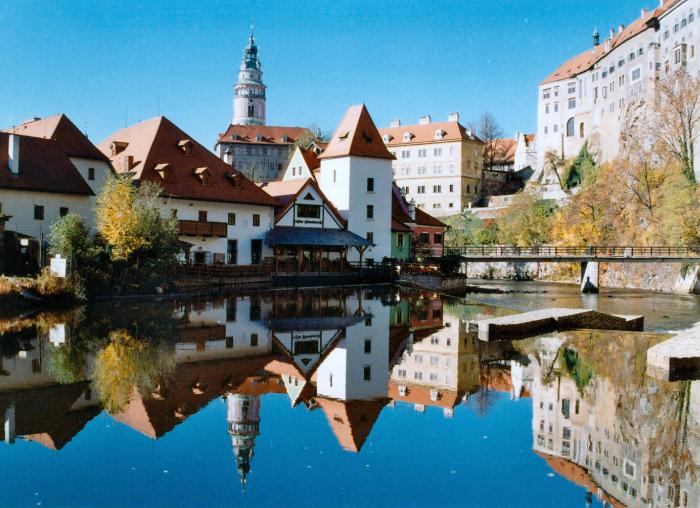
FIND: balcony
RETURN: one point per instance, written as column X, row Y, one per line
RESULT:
column 197, row 228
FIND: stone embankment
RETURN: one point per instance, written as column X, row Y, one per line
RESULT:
column 663, row 277
column 528, row 324
column 678, row 357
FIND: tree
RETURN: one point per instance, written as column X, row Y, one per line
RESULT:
column 142, row 243
column 468, row 229
column 528, row 220
column 490, row 132
column 677, row 113
column 582, row 167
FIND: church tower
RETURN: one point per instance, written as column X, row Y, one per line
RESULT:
column 243, row 426
column 249, row 92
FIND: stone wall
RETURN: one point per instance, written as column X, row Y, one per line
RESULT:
column 663, row 277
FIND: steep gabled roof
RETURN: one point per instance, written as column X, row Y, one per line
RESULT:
column 158, row 141
column 425, row 133
column 425, row 219
column 311, row 159
column 287, row 192
column 262, row 134
column 399, row 212
column 43, row 167
column 60, row 128
column 356, row 135
column 351, row 421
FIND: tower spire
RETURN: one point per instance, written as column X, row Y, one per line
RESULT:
column 249, row 91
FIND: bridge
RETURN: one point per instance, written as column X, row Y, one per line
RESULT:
column 588, row 256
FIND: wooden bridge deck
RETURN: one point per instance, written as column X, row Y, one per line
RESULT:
column 568, row 254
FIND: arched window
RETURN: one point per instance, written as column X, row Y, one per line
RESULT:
column 581, row 130
column 570, row 128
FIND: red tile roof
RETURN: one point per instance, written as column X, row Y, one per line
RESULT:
column 311, row 159
column 425, row 133
column 399, row 212
column 269, row 134
column 586, row 60
column 421, row 394
column 505, row 150
column 61, row 129
column 43, row 167
column 351, row 421
column 425, row 219
column 356, row 135
column 159, row 141
column 287, row 191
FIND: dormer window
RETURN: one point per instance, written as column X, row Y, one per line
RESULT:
column 439, row 133
column 117, row 147
column 344, row 135
column 165, row 171
column 387, row 138
column 235, row 180
column 203, row 174
column 186, row 146
column 407, row 137
column 285, row 139
column 258, row 137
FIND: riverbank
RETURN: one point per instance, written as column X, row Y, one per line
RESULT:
column 674, row 278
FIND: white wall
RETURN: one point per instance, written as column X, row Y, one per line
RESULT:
column 327, row 219
column 102, row 172
column 20, row 205
column 297, row 168
column 243, row 231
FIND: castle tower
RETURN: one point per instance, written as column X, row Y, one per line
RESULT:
column 249, row 92
column 243, row 415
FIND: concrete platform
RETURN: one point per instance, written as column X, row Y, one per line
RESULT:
column 676, row 358
column 528, row 324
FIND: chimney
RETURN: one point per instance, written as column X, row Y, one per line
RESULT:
column 620, row 28
column 612, row 34
column 412, row 209
column 645, row 11
column 13, row 153
column 453, row 117
column 596, row 38
column 423, row 120
column 661, row 3
column 395, row 123
column 128, row 162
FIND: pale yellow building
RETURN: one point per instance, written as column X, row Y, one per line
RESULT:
column 438, row 164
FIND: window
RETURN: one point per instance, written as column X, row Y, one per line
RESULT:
column 572, row 103
column 422, row 170
column 308, row 211
column 420, row 189
column 256, row 219
column 556, row 91
column 437, row 189
column 202, row 216
column 571, row 88
column 63, row 211
column 91, row 173
column 253, row 339
column 437, row 152
column 422, row 152
column 570, row 128
column 370, row 211
column 367, row 373
column 231, row 219
column 452, row 188
column 399, row 240
column 556, row 107
column 38, row 212
column 405, row 154
column 437, row 238
column 546, row 93
column 581, row 130
column 555, row 128
column 334, row 175
column 424, row 238
column 370, row 185
column 546, row 109
column 370, row 236
column 368, row 346
column 468, row 188
column 229, row 342
column 418, row 376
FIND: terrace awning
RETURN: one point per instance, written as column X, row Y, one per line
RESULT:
column 286, row 235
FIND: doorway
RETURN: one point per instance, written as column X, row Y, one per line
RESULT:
column 255, row 252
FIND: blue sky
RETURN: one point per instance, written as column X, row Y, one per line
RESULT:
column 107, row 63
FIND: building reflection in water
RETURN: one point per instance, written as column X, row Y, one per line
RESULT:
column 350, row 353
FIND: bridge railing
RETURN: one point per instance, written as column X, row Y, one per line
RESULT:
column 564, row 251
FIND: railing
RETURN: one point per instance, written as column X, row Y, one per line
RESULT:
column 563, row 252
column 200, row 228
column 196, row 270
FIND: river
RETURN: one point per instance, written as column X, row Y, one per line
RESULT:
column 374, row 396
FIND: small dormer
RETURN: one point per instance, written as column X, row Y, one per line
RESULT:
column 128, row 163
column 165, row 171
column 407, row 137
column 402, row 390
column 235, row 180
column 186, row 146
column 259, row 137
column 203, row 174
column 439, row 134
column 285, row 139
column 387, row 138
column 118, row 147
column 344, row 135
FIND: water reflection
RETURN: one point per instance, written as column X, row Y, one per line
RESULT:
column 598, row 419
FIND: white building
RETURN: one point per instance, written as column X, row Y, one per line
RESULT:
column 586, row 98
column 222, row 215
column 438, row 164
column 356, row 176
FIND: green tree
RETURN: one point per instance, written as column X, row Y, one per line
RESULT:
column 528, row 220
column 581, row 168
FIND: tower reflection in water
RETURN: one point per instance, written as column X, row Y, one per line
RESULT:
column 597, row 418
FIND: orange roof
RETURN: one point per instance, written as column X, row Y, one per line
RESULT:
column 356, row 135
column 505, row 149
column 59, row 128
column 261, row 134
column 425, row 133
column 420, row 394
column 351, row 421
column 311, row 159
column 586, row 60
column 158, row 141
